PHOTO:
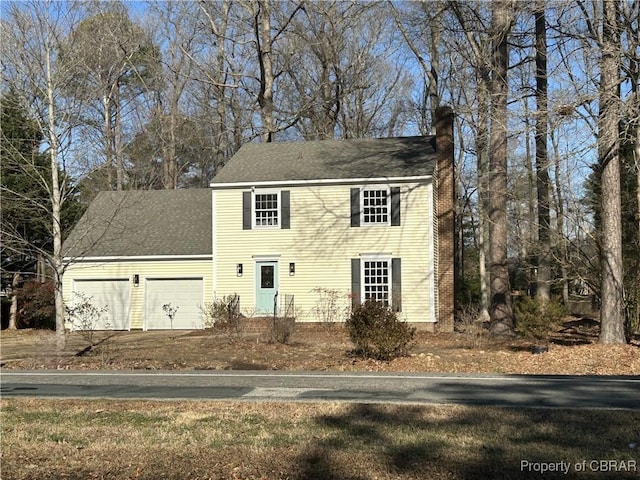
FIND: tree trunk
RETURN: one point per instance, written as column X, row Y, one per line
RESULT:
column 482, row 146
column 173, row 155
column 108, row 139
column 117, row 139
column 168, row 127
column 560, row 216
column 13, row 312
column 611, row 312
column 434, row 56
column 529, row 232
column 41, row 268
column 543, row 288
column 263, row 41
column 502, row 321
column 218, row 25
column 636, row 150
column 56, row 205
column 637, row 163
column 164, row 142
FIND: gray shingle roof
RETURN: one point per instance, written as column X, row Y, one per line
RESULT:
column 144, row 222
column 330, row 159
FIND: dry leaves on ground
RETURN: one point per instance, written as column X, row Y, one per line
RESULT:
column 573, row 350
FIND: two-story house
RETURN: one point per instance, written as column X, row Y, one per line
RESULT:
column 366, row 218
column 357, row 216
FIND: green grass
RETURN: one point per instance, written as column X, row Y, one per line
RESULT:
column 86, row 439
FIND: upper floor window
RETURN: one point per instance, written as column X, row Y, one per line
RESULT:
column 266, row 211
column 375, row 207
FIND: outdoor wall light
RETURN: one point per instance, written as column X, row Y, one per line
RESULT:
column 239, row 270
column 136, row 280
column 292, row 269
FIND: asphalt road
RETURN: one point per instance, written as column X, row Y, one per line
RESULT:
column 510, row 390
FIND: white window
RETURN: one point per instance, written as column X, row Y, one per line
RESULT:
column 375, row 207
column 376, row 280
column 266, row 210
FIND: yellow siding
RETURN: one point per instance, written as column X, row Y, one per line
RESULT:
column 145, row 269
column 321, row 243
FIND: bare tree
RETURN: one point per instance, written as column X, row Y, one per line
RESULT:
column 476, row 49
column 314, row 68
column 24, row 223
column 31, row 39
column 502, row 320
column 543, row 291
column 612, row 292
column 425, row 46
column 265, row 38
column 178, row 28
column 219, row 82
column 110, row 57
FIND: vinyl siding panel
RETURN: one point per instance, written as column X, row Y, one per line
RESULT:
column 322, row 243
column 127, row 268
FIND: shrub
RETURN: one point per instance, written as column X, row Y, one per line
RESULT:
column 470, row 324
column 84, row 316
column 224, row 314
column 536, row 320
column 36, row 305
column 377, row 333
column 332, row 305
column 281, row 329
column 632, row 311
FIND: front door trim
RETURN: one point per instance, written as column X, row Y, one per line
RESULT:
column 266, row 258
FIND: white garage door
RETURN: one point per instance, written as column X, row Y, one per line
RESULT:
column 109, row 300
column 174, row 303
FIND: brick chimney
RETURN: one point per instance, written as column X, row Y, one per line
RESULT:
column 444, row 183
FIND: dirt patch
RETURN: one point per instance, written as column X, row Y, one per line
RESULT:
column 573, row 350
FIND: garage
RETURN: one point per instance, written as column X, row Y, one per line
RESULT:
column 174, row 303
column 110, row 297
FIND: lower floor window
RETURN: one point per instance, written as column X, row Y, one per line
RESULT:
column 376, row 280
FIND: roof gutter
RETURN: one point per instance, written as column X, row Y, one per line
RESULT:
column 320, row 181
column 131, row 258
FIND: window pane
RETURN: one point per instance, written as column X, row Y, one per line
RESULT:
column 266, row 209
column 375, row 206
column 266, row 276
column 376, row 280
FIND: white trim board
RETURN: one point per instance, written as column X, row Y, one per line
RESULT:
column 133, row 258
column 321, row 181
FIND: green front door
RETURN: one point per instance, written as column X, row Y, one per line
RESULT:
column 266, row 286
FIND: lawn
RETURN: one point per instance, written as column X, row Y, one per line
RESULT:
column 98, row 439
column 94, row 439
column 573, row 350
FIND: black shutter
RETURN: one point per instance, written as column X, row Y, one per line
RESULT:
column 355, row 282
column 246, row 210
column 285, row 209
column 396, row 287
column 355, row 207
column 395, row 206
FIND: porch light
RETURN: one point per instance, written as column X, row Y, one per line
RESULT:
column 136, row 280
column 292, row 269
column 239, row 270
